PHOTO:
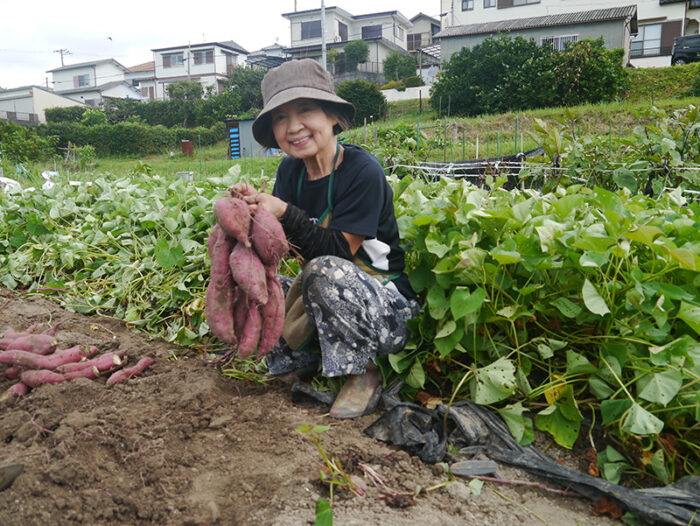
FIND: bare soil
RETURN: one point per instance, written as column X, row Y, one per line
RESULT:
column 182, row 444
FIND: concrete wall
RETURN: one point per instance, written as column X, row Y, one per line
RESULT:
column 45, row 99
column 393, row 95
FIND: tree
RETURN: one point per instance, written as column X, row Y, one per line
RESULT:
column 356, row 52
column 246, row 82
column 398, row 66
column 189, row 93
column 369, row 102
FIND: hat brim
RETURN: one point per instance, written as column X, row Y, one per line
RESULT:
column 262, row 128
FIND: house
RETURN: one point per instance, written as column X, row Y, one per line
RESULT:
column 90, row 82
column 143, row 78
column 26, row 104
column 267, row 57
column 384, row 32
column 208, row 63
column 421, row 41
column 467, row 22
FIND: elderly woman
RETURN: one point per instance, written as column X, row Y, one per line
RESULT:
column 336, row 209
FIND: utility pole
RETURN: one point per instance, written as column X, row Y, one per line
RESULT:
column 323, row 35
column 62, row 51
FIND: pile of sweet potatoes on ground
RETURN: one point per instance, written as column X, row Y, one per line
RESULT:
column 34, row 359
column 244, row 301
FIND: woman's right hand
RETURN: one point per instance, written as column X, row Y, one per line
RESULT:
column 242, row 190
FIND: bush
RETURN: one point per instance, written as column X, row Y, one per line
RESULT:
column 509, row 74
column 126, row 138
column 68, row 114
column 369, row 102
column 356, row 52
column 412, row 82
column 93, row 117
column 398, row 66
column 20, row 145
column 586, row 72
column 245, row 83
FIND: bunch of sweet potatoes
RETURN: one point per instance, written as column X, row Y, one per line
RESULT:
column 33, row 359
column 244, row 301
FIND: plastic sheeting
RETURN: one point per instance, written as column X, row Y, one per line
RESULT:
column 422, row 432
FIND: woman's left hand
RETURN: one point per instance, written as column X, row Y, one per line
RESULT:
column 256, row 199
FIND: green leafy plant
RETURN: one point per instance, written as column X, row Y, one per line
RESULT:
column 355, row 52
column 333, row 474
column 369, row 102
column 398, row 66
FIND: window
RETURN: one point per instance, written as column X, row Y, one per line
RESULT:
column 342, row 32
column 558, row 43
column 414, row 41
column 489, row 3
column 369, row 32
column 203, row 57
column 173, row 60
column 311, row 29
column 230, row 63
column 398, row 32
column 647, row 42
column 525, row 2
column 80, row 81
column 467, row 5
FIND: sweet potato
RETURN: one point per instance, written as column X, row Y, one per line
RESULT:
column 233, row 215
column 240, row 312
column 272, row 316
column 13, row 372
column 33, row 343
column 102, row 363
column 124, row 374
column 248, row 271
column 36, row 377
column 16, row 390
column 268, row 237
column 251, row 332
column 30, row 360
column 219, row 297
column 213, row 237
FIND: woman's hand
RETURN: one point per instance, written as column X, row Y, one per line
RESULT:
column 256, row 199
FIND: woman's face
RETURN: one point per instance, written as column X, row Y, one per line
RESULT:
column 302, row 129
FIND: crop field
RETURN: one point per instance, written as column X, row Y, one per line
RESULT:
column 569, row 302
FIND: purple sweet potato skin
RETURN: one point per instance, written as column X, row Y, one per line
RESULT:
column 219, row 297
column 36, row 377
column 240, row 312
column 251, row 332
column 269, row 239
column 233, row 216
column 34, row 343
column 272, row 316
column 213, row 237
column 249, row 272
column 34, row 361
column 124, row 374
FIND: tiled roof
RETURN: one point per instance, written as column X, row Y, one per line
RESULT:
column 563, row 19
column 146, row 66
column 90, row 63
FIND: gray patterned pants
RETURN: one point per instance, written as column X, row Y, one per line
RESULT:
column 356, row 318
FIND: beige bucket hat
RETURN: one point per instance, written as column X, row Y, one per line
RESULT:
column 296, row 79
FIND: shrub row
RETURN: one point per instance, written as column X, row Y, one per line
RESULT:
column 126, row 138
column 507, row 74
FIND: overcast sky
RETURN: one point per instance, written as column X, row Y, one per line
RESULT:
column 32, row 30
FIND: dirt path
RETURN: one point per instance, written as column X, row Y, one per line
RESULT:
column 183, row 445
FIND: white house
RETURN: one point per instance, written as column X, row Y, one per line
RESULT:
column 421, row 34
column 384, row 32
column 143, row 78
column 208, row 63
column 26, row 104
column 90, row 82
column 659, row 21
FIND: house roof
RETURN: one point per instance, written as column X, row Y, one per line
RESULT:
column 427, row 17
column 90, row 63
column 563, row 19
column 146, row 66
column 229, row 44
column 87, row 89
column 693, row 3
column 353, row 17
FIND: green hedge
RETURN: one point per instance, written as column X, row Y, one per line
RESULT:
column 663, row 82
column 127, row 138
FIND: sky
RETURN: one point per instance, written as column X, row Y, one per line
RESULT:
column 32, row 31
